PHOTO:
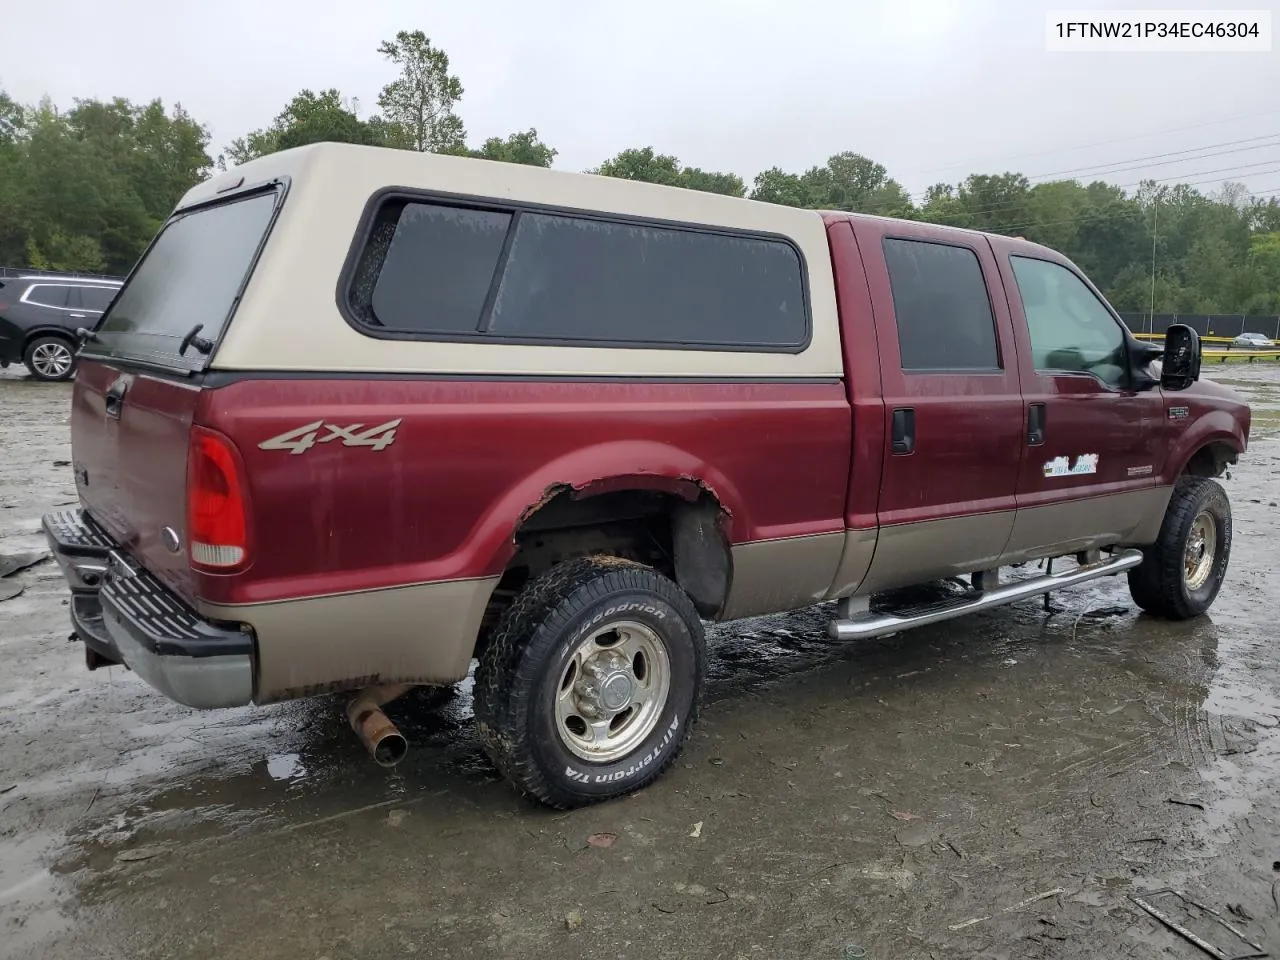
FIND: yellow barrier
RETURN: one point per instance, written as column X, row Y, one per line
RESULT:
column 1207, row 339
column 1248, row 355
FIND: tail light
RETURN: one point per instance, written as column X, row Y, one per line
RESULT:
column 217, row 503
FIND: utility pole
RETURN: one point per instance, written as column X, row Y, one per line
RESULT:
column 1155, row 220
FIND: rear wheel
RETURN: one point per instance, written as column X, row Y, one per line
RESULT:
column 1182, row 572
column 50, row 358
column 591, row 682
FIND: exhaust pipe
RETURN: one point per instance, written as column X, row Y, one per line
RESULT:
column 379, row 735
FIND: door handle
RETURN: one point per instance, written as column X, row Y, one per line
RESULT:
column 77, row 316
column 113, row 399
column 904, row 431
column 1035, row 424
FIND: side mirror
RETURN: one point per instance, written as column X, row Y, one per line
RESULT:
column 1181, row 366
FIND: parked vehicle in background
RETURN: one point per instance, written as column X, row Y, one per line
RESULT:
column 39, row 317
column 362, row 415
column 1253, row 341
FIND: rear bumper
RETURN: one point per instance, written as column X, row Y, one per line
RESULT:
column 125, row 615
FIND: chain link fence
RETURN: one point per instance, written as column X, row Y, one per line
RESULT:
column 1206, row 324
column 8, row 272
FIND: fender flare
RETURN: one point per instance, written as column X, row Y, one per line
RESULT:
column 603, row 468
column 1216, row 426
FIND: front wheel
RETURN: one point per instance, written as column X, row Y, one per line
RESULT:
column 1181, row 573
column 591, row 681
column 50, row 358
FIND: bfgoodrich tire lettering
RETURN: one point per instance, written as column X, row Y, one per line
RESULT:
column 522, row 671
column 1181, row 573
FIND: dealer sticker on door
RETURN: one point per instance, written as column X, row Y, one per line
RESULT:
column 1063, row 467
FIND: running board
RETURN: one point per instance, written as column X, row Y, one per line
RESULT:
column 870, row 624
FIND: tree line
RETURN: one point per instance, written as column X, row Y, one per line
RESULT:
column 86, row 188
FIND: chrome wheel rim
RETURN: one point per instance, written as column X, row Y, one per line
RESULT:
column 612, row 691
column 51, row 359
column 1202, row 547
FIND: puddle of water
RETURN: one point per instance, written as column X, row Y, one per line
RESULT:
column 286, row 766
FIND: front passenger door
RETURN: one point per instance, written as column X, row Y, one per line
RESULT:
column 1091, row 452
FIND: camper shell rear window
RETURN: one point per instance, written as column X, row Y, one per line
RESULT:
column 436, row 268
column 192, row 275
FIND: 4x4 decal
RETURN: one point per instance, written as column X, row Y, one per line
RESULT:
column 302, row 439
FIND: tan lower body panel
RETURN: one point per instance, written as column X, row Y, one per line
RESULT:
column 770, row 576
column 1132, row 518
column 425, row 633
column 911, row 553
column 855, row 563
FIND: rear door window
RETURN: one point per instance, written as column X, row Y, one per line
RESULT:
column 192, row 275
column 945, row 322
column 95, row 299
column 48, row 295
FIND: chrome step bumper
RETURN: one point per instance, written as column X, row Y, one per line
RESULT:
column 877, row 624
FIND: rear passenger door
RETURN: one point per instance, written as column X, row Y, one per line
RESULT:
column 953, row 405
column 1094, row 445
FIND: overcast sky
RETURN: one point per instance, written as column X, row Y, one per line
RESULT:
column 933, row 89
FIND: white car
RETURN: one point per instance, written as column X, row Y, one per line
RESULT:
column 1254, row 341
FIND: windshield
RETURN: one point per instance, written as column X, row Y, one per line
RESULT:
column 192, row 275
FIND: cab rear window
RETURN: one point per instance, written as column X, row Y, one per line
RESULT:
column 191, row 276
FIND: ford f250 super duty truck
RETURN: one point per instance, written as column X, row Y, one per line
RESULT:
column 360, row 416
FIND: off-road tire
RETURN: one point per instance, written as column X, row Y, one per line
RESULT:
column 518, row 676
column 31, row 354
column 1159, row 584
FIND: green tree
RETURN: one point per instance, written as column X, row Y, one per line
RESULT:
column 854, row 183
column 419, row 104
column 643, row 164
column 847, row 181
column 523, row 147
column 308, row 118
column 87, row 189
column 647, row 165
column 999, row 203
column 1259, row 286
column 13, row 119
column 776, row 186
column 729, row 184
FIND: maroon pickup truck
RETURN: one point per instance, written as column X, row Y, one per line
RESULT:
column 361, row 416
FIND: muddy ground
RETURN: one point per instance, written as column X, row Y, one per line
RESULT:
column 837, row 800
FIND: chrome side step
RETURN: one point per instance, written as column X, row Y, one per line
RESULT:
column 866, row 625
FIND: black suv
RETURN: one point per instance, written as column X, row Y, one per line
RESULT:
column 39, row 317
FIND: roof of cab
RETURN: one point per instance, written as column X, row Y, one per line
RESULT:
column 941, row 229
column 494, row 179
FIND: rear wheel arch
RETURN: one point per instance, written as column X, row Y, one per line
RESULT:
column 38, row 332
column 678, row 527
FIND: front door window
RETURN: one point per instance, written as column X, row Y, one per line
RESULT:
column 1071, row 330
